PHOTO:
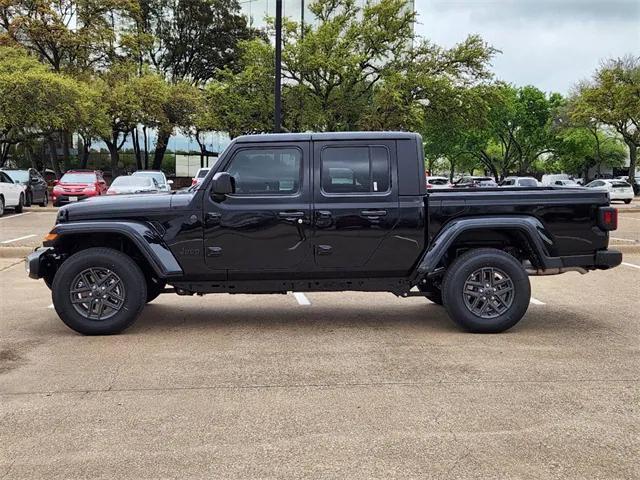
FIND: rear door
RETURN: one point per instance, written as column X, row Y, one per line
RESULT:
column 355, row 205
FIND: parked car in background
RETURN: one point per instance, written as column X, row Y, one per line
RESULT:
column 437, row 182
column 636, row 181
column 550, row 179
column 77, row 185
column 519, row 182
column 200, row 174
column 11, row 194
column 475, row 182
column 133, row 184
column 35, row 186
column 618, row 189
column 567, row 182
column 164, row 185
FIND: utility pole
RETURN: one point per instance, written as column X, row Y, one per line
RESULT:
column 278, row 88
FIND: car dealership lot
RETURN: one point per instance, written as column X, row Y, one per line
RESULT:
column 342, row 385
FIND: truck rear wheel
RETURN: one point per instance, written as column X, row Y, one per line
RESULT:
column 486, row 291
column 99, row 291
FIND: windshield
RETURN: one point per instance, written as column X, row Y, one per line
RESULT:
column 159, row 176
column 132, row 182
column 78, row 178
column 18, row 175
column 528, row 182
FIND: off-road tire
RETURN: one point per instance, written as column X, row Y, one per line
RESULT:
column 132, row 278
column 28, row 200
column 456, row 281
column 1, row 205
column 45, row 201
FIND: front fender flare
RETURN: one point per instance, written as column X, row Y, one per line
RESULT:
column 538, row 238
column 143, row 236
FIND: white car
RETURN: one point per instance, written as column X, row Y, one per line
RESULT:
column 437, row 182
column 164, row 185
column 519, row 182
column 11, row 194
column 565, row 183
column 618, row 189
column 200, row 175
column 133, row 184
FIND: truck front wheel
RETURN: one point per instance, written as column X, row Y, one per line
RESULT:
column 486, row 291
column 99, row 291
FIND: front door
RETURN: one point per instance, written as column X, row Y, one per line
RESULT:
column 261, row 230
column 355, row 206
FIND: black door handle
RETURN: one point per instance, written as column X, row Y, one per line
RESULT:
column 291, row 215
column 212, row 218
column 373, row 213
column 323, row 249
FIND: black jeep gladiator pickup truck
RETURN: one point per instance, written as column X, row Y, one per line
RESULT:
column 321, row 212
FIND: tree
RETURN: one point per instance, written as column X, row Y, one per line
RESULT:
column 241, row 103
column 186, row 42
column 355, row 68
column 612, row 97
column 36, row 102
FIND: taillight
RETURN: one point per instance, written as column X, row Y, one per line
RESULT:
column 429, row 185
column 608, row 218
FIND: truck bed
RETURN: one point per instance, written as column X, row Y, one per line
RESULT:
column 567, row 214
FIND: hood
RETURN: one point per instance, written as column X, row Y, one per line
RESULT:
column 117, row 206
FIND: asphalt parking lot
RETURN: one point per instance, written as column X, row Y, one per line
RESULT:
column 323, row 385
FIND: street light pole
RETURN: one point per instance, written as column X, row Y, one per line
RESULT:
column 278, row 83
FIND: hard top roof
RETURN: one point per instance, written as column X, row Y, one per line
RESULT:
column 301, row 137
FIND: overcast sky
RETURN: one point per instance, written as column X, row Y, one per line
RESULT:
column 547, row 43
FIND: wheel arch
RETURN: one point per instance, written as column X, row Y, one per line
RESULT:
column 137, row 239
column 523, row 236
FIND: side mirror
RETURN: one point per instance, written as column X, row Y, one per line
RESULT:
column 222, row 184
column 56, row 182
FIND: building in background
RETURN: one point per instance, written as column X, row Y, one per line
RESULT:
column 257, row 11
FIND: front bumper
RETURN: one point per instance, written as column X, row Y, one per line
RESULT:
column 38, row 262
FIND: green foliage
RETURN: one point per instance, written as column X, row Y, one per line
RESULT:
column 612, row 97
column 35, row 101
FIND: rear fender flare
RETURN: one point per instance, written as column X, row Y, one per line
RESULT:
column 141, row 234
column 539, row 239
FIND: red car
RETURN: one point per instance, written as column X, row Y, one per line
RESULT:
column 78, row 184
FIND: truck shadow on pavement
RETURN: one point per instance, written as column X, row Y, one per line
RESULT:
column 423, row 318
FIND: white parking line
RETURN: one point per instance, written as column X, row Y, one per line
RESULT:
column 624, row 240
column 535, row 301
column 16, row 215
column 301, row 298
column 16, row 239
column 632, row 265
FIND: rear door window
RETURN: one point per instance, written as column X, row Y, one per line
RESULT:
column 356, row 169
